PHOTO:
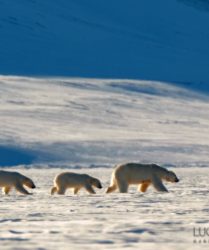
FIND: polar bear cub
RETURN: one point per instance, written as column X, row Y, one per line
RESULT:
column 9, row 180
column 76, row 181
column 143, row 175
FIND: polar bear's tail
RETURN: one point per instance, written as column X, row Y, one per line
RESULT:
column 53, row 190
column 113, row 184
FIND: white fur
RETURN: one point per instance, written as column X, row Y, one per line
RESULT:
column 9, row 180
column 76, row 181
column 140, row 174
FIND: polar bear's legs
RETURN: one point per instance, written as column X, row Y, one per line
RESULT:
column 89, row 189
column 143, row 187
column 53, row 190
column 112, row 188
column 122, row 186
column 158, row 185
column 117, row 182
column 113, row 185
column 6, row 190
column 61, row 190
column 75, row 191
column 21, row 189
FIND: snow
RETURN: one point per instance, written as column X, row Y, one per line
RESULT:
column 50, row 125
column 106, row 221
column 87, row 122
column 147, row 39
column 80, row 111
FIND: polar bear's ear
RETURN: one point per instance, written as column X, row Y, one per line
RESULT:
column 158, row 185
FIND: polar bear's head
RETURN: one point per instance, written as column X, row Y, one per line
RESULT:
column 95, row 182
column 170, row 176
column 28, row 182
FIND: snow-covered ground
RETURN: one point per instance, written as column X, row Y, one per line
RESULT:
column 106, row 221
column 89, row 125
column 50, row 124
column 103, row 122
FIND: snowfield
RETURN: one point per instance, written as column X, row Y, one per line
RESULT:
column 51, row 122
column 103, row 122
column 49, row 125
column 106, row 221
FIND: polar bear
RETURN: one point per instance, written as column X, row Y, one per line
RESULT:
column 143, row 175
column 9, row 180
column 76, row 181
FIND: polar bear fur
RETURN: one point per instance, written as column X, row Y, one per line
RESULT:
column 76, row 181
column 142, row 175
column 9, row 180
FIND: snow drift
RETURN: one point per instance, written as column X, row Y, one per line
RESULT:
column 85, row 122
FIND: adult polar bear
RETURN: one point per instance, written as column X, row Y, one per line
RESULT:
column 9, row 180
column 76, row 181
column 140, row 174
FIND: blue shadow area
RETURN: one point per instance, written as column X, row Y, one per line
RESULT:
column 91, row 40
column 14, row 156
